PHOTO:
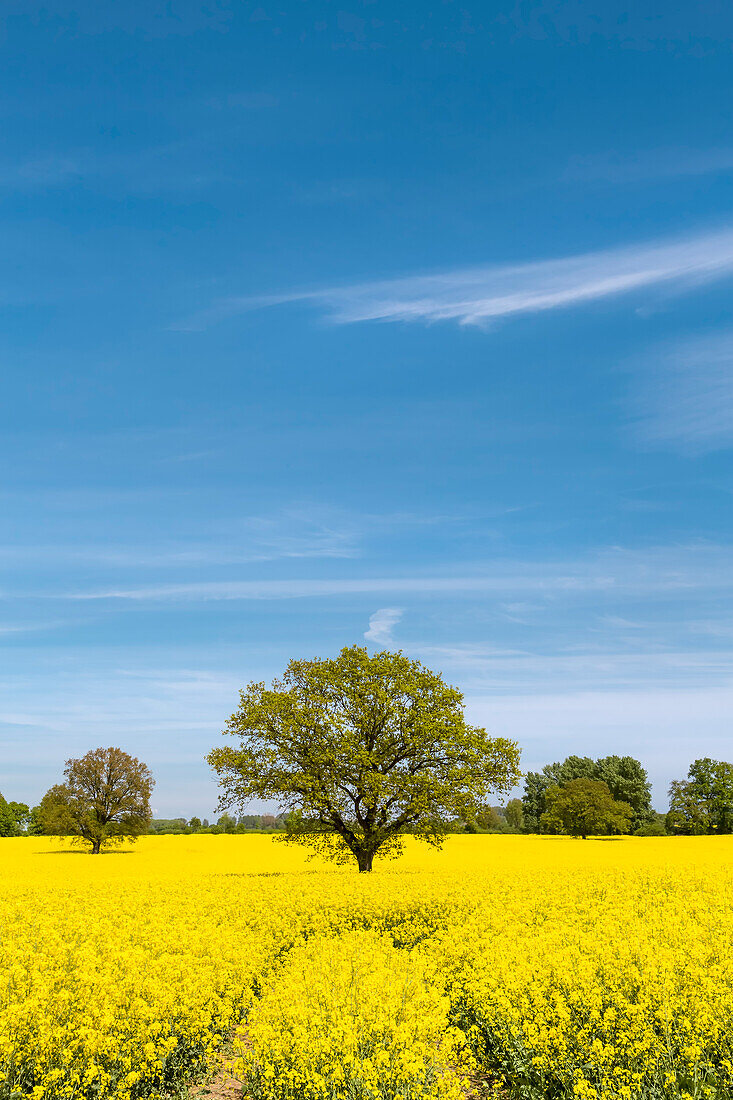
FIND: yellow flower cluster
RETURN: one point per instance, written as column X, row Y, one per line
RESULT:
column 352, row 1016
column 547, row 967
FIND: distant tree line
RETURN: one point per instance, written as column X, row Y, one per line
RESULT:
column 612, row 795
column 106, row 798
column 245, row 823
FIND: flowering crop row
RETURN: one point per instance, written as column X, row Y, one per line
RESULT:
column 542, row 966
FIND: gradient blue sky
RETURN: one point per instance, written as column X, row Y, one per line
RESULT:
column 325, row 322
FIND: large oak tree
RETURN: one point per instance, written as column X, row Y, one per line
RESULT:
column 361, row 749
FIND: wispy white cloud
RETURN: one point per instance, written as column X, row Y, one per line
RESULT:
column 655, row 570
column 685, row 399
column 27, row 628
column 382, row 623
column 478, row 295
column 173, row 556
column 304, row 589
column 650, row 164
column 482, row 668
column 290, row 533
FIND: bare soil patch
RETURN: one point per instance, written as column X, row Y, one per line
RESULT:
column 222, row 1086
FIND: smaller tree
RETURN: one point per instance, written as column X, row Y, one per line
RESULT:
column 194, row 824
column 105, row 799
column 585, row 807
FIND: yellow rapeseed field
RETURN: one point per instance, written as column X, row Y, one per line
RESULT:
column 527, row 967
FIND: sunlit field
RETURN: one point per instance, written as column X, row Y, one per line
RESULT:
column 526, row 966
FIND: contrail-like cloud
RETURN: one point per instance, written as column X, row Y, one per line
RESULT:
column 381, row 625
column 479, row 295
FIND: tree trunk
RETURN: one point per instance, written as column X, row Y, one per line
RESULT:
column 365, row 861
column 96, row 845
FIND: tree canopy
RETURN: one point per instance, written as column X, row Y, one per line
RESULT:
column 105, row 799
column 585, row 807
column 514, row 813
column 360, row 749
column 624, row 776
column 703, row 803
column 8, row 823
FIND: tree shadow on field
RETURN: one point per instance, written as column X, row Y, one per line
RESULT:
column 78, row 852
column 251, row 874
column 268, row 874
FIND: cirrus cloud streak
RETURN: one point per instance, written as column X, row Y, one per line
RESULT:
column 480, row 295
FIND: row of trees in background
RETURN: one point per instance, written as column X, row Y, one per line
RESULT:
column 582, row 797
column 106, row 796
column 17, row 819
column 227, row 823
column 567, row 797
column 609, row 795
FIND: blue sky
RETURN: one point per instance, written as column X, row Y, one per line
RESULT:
column 404, row 324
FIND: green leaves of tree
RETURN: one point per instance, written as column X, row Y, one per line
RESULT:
column 362, row 748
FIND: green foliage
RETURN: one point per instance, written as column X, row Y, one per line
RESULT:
column 702, row 803
column 585, row 807
column 14, row 818
column 168, row 826
column 624, row 776
column 514, row 813
column 360, row 749
column 106, row 799
column 656, row 827
column 573, row 767
column 487, row 819
column 21, row 814
column 51, row 816
column 490, row 819
column 628, row 782
column 533, row 801
column 8, row 823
